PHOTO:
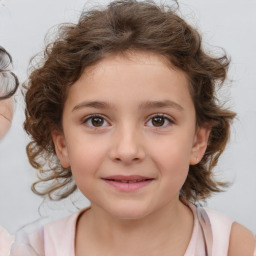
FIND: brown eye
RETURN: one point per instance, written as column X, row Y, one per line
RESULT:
column 158, row 121
column 95, row 121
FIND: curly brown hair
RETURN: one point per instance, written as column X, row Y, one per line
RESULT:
column 121, row 26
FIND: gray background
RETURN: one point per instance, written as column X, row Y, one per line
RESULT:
column 230, row 24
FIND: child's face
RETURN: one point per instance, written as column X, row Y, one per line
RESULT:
column 129, row 134
column 6, row 113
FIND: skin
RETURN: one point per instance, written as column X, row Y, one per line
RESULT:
column 242, row 241
column 122, row 92
column 6, row 114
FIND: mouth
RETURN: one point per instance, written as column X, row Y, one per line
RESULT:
column 128, row 183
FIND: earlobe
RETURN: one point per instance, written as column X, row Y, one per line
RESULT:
column 61, row 148
column 200, row 144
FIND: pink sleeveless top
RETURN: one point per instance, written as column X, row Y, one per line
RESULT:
column 210, row 236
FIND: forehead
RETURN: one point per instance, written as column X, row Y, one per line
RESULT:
column 133, row 58
column 132, row 76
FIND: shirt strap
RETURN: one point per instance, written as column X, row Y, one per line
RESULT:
column 205, row 224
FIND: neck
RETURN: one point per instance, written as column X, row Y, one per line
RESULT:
column 170, row 226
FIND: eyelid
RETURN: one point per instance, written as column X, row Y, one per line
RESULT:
column 88, row 117
column 161, row 115
column 167, row 117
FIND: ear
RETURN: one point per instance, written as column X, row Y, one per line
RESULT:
column 200, row 144
column 61, row 148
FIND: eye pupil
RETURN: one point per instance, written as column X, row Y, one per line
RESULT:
column 158, row 121
column 97, row 121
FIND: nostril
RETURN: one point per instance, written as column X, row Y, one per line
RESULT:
column 131, row 160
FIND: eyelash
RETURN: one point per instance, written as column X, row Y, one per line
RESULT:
column 165, row 118
column 90, row 118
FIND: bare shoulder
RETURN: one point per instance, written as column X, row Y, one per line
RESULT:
column 242, row 241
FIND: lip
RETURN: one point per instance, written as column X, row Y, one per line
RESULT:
column 128, row 183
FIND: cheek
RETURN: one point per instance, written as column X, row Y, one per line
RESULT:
column 6, row 113
column 4, row 126
column 85, row 157
column 173, row 172
column 171, row 157
column 174, row 166
column 85, row 162
column 6, row 108
column 172, row 150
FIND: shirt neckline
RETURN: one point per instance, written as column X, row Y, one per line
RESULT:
column 191, row 248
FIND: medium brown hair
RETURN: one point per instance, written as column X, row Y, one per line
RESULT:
column 122, row 26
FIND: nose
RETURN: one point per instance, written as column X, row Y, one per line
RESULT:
column 127, row 147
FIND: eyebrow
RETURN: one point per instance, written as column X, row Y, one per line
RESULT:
column 92, row 104
column 161, row 104
column 144, row 105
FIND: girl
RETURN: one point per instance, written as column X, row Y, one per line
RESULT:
column 8, row 86
column 123, row 107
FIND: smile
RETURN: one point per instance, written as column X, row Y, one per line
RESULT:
column 128, row 183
